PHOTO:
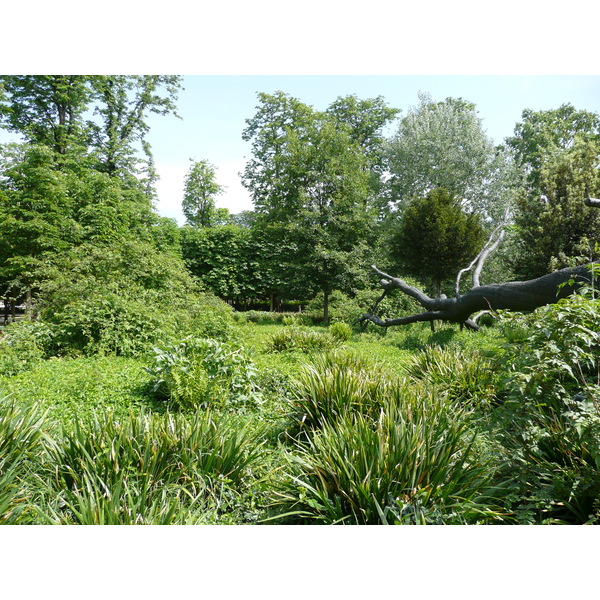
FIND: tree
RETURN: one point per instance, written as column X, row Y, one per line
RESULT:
column 443, row 144
column 544, row 133
column 308, row 175
column 199, row 193
column 365, row 121
column 435, row 237
column 36, row 216
column 46, row 109
column 553, row 227
column 514, row 295
column 123, row 103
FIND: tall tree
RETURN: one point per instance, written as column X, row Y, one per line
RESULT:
column 443, row 144
column 554, row 229
column 123, row 104
column 310, row 176
column 199, row 192
column 543, row 133
column 46, row 109
column 366, row 121
column 36, row 217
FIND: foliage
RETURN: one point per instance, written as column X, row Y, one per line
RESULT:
column 551, row 413
column 69, row 390
column 335, row 383
column 147, row 470
column 24, row 344
column 410, row 464
column 340, row 331
column 20, row 440
column 199, row 192
column 435, row 237
column 544, row 133
column 557, row 230
column 443, row 144
column 464, row 375
column 46, row 109
column 112, row 299
column 311, row 178
column 202, row 372
column 301, row 338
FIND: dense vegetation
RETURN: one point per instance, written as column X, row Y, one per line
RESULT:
column 140, row 387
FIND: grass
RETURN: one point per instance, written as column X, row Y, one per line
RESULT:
column 403, row 426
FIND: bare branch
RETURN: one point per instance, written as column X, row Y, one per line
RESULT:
column 480, row 259
column 395, row 282
column 594, row 202
column 483, row 257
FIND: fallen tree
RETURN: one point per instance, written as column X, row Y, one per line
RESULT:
column 513, row 295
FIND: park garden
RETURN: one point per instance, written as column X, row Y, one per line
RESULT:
column 255, row 368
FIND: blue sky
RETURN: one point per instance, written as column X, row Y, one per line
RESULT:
column 214, row 110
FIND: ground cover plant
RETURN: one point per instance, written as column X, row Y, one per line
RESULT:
column 398, row 427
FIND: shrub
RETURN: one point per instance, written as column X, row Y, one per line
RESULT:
column 148, row 470
column 462, row 374
column 550, row 420
column 409, row 465
column 336, row 383
column 302, row 339
column 107, row 322
column 23, row 344
column 201, row 372
column 340, row 331
column 212, row 324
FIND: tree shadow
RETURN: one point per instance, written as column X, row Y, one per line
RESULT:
column 442, row 337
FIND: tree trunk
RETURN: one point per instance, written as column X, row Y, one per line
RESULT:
column 514, row 295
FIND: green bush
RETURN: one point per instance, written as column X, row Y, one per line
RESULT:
column 336, row 383
column 166, row 469
column 24, row 344
column 202, row 372
column 215, row 325
column 302, row 339
column 463, row 374
column 340, row 331
column 411, row 464
column 550, row 420
column 106, row 322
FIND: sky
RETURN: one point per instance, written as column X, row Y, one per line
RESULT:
column 214, row 108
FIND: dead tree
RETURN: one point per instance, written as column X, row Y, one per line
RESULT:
column 513, row 295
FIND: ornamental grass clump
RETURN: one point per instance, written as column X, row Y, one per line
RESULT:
column 21, row 437
column 156, row 469
column 412, row 464
column 335, row 383
column 465, row 375
column 302, row 339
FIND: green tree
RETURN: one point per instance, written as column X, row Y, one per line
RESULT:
column 556, row 229
column 443, row 144
column 542, row 133
column 366, row 121
column 36, row 215
column 435, row 238
column 199, row 193
column 46, row 109
column 311, row 177
column 123, row 103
